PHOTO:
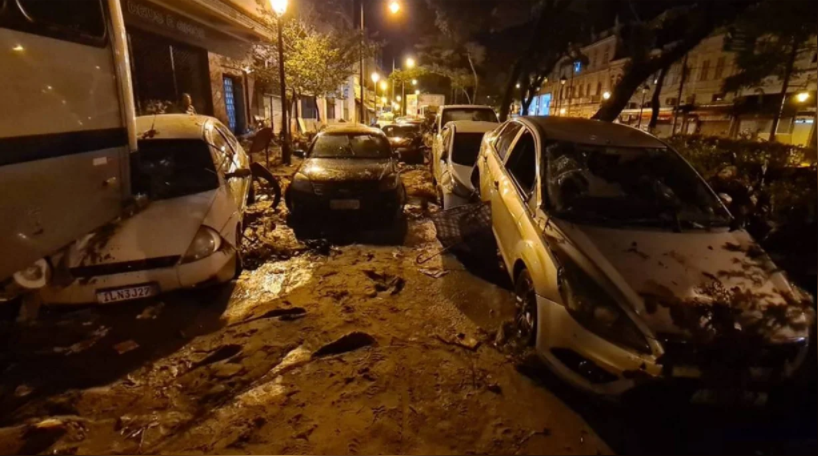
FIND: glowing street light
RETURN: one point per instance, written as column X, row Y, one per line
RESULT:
column 384, row 85
column 410, row 63
column 394, row 7
column 417, row 92
column 375, row 77
column 280, row 7
column 802, row 97
column 399, row 98
column 562, row 111
column 414, row 82
column 518, row 86
column 606, row 95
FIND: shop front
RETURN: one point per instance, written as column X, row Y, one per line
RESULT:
column 192, row 48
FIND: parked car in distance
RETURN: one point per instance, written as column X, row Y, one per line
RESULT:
column 347, row 168
column 627, row 271
column 452, row 169
column 196, row 177
column 406, row 141
column 449, row 113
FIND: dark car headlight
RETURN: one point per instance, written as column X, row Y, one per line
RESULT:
column 301, row 183
column 597, row 311
column 389, row 182
column 206, row 242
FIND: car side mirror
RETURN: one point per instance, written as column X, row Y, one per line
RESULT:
column 239, row 173
column 298, row 153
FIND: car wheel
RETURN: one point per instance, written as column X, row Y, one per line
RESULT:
column 525, row 311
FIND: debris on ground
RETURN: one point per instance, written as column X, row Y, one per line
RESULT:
column 48, row 424
column 126, row 346
column 22, row 391
column 220, row 354
column 83, row 345
column 436, row 274
column 151, row 311
column 346, row 344
column 461, row 341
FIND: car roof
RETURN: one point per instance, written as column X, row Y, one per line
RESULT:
column 468, row 126
column 466, row 106
column 173, row 126
column 592, row 132
column 350, row 128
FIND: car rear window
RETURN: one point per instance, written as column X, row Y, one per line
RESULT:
column 468, row 115
column 466, row 148
column 170, row 168
column 350, row 146
column 400, row 131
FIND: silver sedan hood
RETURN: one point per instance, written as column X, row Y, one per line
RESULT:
column 697, row 285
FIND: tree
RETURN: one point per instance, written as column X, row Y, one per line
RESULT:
column 768, row 40
column 655, row 103
column 316, row 63
column 658, row 43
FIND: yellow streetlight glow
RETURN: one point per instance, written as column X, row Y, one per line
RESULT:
column 518, row 86
column 802, row 97
column 279, row 6
column 375, row 77
column 562, row 111
column 417, row 92
column 383, row 100
column 384, row 85
column 414, row 82
column 394, row 7
column 606, row 95
column 399, row 98
column 410, row 62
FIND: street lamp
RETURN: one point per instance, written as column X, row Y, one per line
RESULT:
column 645, row 89
column 410, row 64
column 375, row 79
column 417, row 92
column 606, row 95
column 414, row 82
column 394, row 7
column 280, row 7
column 802, row 97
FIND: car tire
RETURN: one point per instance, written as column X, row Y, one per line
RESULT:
column 525, row 311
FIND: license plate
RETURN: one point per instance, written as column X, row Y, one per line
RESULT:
column 128, row 293
column 729, row 397
column 345, row 204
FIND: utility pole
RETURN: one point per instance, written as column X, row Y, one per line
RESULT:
column 679, row 96
column 363, row 87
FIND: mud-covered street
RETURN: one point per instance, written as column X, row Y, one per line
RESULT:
column 335, row 340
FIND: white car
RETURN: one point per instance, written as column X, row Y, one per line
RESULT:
column 629, row 271
column 450, row 113
column 452, row 166
column 196, row 177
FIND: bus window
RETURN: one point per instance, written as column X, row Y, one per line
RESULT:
column 75, row 20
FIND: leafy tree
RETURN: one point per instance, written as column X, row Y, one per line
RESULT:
column 316, row 62
column 654, row 44
column 768, row 40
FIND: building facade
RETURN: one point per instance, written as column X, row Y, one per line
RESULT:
column 695, row 104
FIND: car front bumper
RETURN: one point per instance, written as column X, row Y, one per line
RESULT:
column 596, row 365
column 215, row 268
column 378, row 203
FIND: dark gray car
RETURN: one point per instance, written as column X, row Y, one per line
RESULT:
column 347, row 169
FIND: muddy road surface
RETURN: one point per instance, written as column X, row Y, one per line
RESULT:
column 334, row 340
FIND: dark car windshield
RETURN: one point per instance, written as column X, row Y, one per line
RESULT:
column 350, row 146
column 628, row 186
column 485, row 114
column 466, row 147
column 401, row 131
column 170, row 168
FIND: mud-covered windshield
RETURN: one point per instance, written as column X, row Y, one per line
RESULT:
column 468, row 115
column 627, row 186
column 170, row 168
column 350, row 146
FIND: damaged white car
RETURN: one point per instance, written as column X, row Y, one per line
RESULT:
column 196, row 177
column 453, row 164
column 628, row 270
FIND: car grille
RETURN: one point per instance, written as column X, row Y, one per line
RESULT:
column 124, row 267
column 350, row 188
column 731, row 355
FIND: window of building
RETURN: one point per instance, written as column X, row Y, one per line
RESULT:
column 670, row 101
column 718, row 97
column 599, row 88
column 580, row 91
column 588, row 90
column 719, row 68
column 330, row 108
column 605, row 56
column 691, row 99
column 703, row 73
column 592, row 59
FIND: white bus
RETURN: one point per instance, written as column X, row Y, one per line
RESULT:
column 66, row 128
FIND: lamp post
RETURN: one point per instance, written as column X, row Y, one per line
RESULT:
column 394, row 8
column 376, row 77
column 280, row 7
column 559, row 99
column 410, row 64
column 645, row 89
